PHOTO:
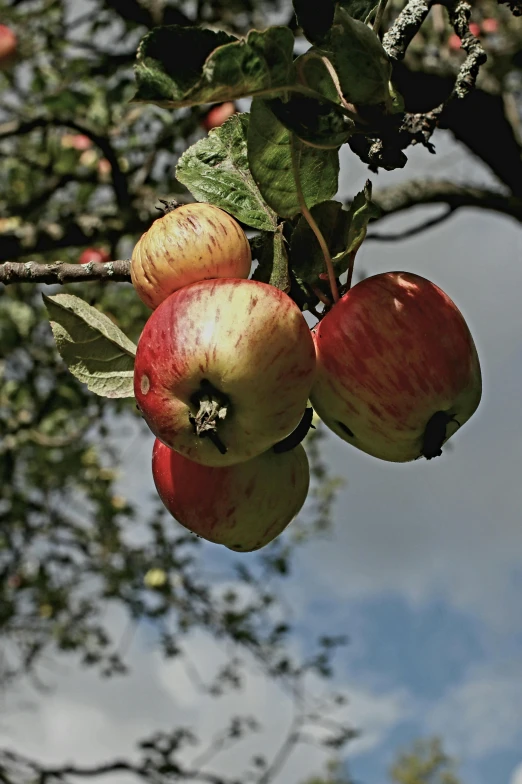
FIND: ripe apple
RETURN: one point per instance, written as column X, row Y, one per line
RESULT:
column 397, row 369
column 191, row 242
column 244, row 506
column 98, row 255
column 489, row 25
column 454, row 42
column 218, row 115
column 223, row 370
column 8, row 46
column 474, row 29
column 76, row 141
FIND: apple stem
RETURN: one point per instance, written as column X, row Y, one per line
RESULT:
column 212, row 406
column 311, row 222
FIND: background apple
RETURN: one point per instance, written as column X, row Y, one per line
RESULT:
column 218, row 115
column 8, row 46
column 191, row 242
column 98, row 255
column 240, row 353
column 76, row 141
column 393, row 352
column 244, row 506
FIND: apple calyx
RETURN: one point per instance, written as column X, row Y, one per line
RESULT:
column 212, row 406
column 297, row 435
column 435, row 434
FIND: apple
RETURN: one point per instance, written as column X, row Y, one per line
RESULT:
column 489, row 25
column 397, row 369
column 454, row 42
column 8, row 46
column 98, row 255
column 76, row 141
column 244, row 506
column 474, row 29
column 189, row 243
column 223, row 370
column 218, row 115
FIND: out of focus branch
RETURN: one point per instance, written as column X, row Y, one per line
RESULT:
column 60, row 272
column 399, row 198
column 119, row 180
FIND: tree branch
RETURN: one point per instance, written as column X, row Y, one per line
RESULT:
column 60, row 272
column 413, row 231
column 399, row 198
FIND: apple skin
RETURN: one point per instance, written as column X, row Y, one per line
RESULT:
column 8, row 46
column 250, row 341
column 244, row 506
column 390, row 354
column 219, row 114
column 190, row 243
column 98, row 255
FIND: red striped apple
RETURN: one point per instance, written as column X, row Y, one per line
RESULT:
column 8, row 46
column 223, row 370
column 98, row 255
column 397, row 369
column 244, row 506
column 190, row 242
column 219, row 114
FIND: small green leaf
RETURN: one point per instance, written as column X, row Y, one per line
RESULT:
column 270, row 161
column 215, row 169
column 314, row 18
column 94, row 349
column 213, row 66
column 359, row 9
column 272, row 256
column 362, row 210
column 314, row 122
column 362, row 66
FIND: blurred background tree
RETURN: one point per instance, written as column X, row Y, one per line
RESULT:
column 82, row 169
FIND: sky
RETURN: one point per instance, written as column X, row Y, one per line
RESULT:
column 422, row 568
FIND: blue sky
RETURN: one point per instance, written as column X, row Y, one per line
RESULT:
column 422, row 569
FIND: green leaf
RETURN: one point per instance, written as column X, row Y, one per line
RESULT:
column 314, row 18
column 94, row 349
column 343, row 230
column 270, row 161
column 213, row 66
column 362, row 210
column 314, row 122
column 306, row 256
column 359, row 9
column 359, row 59
column 271, row 253
column 215, row 169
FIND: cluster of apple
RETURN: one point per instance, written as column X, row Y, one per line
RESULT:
column 225, row 367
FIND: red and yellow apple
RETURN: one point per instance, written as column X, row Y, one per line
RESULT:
column 8, row 46
column 219, row 114
column 244, row 506
column 397, row 369
column 191, row 242
column 97, row 255
column 223, row 370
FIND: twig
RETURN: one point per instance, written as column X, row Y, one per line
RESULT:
column 60, row 272
column 413, row 231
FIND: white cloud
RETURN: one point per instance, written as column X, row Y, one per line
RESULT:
column 517, row 775
column 483, row 714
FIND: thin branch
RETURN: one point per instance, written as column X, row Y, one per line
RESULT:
column 407, row 24
column 413, row 231
column 60, row 272
column 399, row 198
